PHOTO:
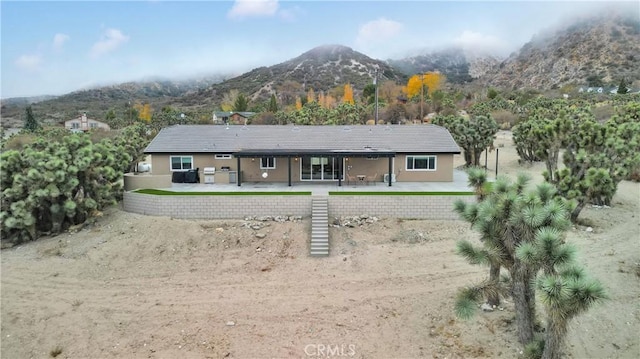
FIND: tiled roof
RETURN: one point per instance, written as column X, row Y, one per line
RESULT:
column 229, row 139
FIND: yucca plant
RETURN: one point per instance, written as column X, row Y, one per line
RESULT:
column 522, row 231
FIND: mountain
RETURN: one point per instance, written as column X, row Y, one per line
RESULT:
column 321, row 68
column 97, row 101
column 457, row 65
column 601, row 49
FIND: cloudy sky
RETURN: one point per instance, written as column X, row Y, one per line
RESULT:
column 52, row 47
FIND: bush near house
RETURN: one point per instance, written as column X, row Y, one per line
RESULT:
column 61, row 180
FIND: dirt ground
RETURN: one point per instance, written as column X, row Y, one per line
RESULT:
column 132, row 286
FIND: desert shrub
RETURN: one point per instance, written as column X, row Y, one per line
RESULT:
column 473, row 134
column 56, row 182
column 504, row 118
column 19, row 141
column 603, row 113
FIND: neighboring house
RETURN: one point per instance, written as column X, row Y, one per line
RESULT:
column 232, row 118
column 83, row 124
column 411, row 153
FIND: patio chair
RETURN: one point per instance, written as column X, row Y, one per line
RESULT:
column 351, row 179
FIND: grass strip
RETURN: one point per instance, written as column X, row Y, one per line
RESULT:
column 159, row 192
column 400, row 193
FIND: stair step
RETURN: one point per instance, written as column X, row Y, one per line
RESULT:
column 319, row 244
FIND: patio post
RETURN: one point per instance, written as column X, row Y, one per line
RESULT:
column 339, row 171
column 390, row 170
column 239, row 176
column 289, row 169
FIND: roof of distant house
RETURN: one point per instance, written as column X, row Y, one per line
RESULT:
column 245, row 114
column 236, row 138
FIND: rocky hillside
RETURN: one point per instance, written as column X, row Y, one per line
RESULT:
column 98, row 101
column 321, row 68
column 459, row 67
column 600, row 49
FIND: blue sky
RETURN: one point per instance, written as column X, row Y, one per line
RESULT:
column 53, row 47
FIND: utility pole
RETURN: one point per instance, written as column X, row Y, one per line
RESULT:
column 421, row 96
column 375, row 82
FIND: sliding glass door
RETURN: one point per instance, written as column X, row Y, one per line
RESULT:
column 319, row 169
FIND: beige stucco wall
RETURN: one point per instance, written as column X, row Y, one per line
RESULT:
column 362, row 166
column 160, row 164
column 354, row 166
column 443, row 172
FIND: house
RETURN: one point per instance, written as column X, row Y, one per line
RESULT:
column 83, row 124
column 231, row 117
column 299, row 154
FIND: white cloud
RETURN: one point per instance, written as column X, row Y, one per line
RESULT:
column 378, row 31
column 253, row 8
column 59, row 40
column 476, row 43
column 110, row 41
column 29, row 62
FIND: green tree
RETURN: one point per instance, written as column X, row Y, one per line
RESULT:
column 622, row 87
column 30, row 123
column 474, row 135
column 273, row 104
column 369, row 93
column 492, row 93
column 241, row 103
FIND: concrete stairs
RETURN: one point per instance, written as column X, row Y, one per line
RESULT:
column 319, row 227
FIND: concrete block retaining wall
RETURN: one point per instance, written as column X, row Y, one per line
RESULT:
column 235, row 207
column 216, row 207
column 415, row 207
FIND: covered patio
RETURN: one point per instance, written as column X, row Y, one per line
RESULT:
column 459, row 184
column 337, row 156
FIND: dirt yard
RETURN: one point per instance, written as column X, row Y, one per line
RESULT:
column 131, row 286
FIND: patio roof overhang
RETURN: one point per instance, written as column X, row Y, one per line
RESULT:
column 314, row 153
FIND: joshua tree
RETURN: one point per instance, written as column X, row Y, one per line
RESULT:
column 523, row 232
column 477, row 178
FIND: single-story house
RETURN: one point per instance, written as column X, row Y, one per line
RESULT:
column 297, row 154
column 231, row 117
column 83, row 124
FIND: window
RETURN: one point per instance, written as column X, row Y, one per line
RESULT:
column 421, row 163
column 222, row 157
column 267, row 163
column 181, row 163
column 75, row 125
column 93, row 125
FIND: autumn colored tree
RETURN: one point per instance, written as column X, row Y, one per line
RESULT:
column 144, row 111
column 311, row 95
column 322, row 99
column 388, row 91
column 289, row 91
column 328, row 102
column 347, row 97
column 229, row 99
column 298, row 103
column 417, row 83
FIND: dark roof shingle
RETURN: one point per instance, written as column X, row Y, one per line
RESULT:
column 229, row 139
